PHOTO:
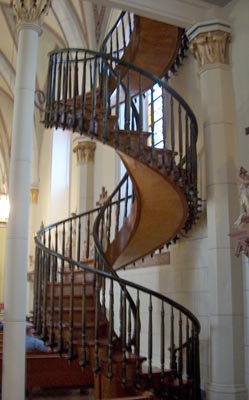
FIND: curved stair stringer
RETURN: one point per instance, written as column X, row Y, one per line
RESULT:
column 161, row 214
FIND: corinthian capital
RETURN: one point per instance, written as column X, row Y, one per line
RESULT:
column 84, row 151
column 209, row 42
column 30, row 11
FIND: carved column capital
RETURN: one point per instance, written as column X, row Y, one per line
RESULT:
column 84, row 150
column 34, row 193
column 209, row 42
column 31, row 12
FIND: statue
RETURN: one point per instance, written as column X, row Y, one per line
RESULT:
column 243, row 179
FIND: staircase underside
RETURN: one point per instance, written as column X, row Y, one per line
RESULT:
column 161, row 214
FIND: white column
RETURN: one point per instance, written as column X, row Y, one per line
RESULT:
column 209, row 43
column 84, row 150
column 28, row 17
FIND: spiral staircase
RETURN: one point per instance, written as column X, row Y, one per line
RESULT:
column 133, row 340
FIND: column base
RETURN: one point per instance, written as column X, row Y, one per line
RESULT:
column 226, row 392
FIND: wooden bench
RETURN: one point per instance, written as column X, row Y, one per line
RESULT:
column 46, row 370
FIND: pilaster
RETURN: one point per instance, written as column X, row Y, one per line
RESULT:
column 209, row 43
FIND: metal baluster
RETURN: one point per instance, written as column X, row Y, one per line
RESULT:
column 117, row 108
column 83, row 360
column 58, row 93
column 140, row 128
column 123, row 33
column 75, row 91
column 56, row 250
column 36, row 286
column 61, row 298
column 187, row 149
column 83, row 97
column 96, row 328
column 137, row 340
column 79, row 239
column 53, row 91
column 103, row 293
column 162, row 345
column 129, row 330
column 88, row 237
column 129, row 20
column 110, row 331
column 45, row 297
column 69, row 80
column 180, row 139
column 164, row 126
column 93, row 122
column 124, row 295
column 152, row 119
column 105, row 104
column 128, row 113
column 109, row 222
column 172, row 134
column 126, row 198
column 48, row 110
column 117, row 44
column 65, row 86
column 118, row 212
column 172, row 342
column 51, row 332
column 196, row 364
column 71, row 313
column 40, row 291
column 180, row 353
column 150, row 343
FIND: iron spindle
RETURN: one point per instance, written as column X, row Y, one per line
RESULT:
column 123, row 33
column 48, row 110
column 75, row 92
column 79, row 239
column 162, row 349
column 180, row 352
column 117, row 44
column 150, row 343
column 58, row 103
column 137, row 340
column 61, row 297
column 127, row 113
column 152, row 121
column 83, row 97
column 118, row 212
column 110, row 331
column 83, row 360
column 71, row 310
column 124, row 326
column 96, row 326
column 117, row 108
column 164, row 130
column 180, row 139
column 172, row 342
column 172, row 135
column 140, row 129
column 51, row 332
column 88, row 237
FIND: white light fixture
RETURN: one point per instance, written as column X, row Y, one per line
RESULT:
column 4, row 203
column 4, row 207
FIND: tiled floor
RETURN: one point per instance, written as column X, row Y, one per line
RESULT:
column 62, row 394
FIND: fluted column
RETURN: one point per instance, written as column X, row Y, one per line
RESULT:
column 209, row 42
column 29, row 15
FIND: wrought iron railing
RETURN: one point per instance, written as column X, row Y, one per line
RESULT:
column 160, row 331
column 86, row 94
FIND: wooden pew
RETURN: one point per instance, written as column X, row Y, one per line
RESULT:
column 46, row 370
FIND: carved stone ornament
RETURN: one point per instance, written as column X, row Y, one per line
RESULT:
column 34, row 192
column 211, row 47
column 31, row 11
column 84, row 151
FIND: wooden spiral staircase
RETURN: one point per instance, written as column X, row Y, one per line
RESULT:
column 127, row 338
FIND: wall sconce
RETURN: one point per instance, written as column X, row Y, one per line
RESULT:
column 4, row 207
